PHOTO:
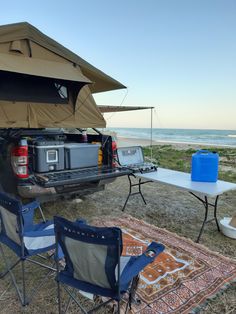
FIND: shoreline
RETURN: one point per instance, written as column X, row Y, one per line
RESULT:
column 130, row 141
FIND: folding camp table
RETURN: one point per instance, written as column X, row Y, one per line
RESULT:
column 182, row 180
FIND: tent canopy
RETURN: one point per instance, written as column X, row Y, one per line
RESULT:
column 24, row 31
column 43, row 84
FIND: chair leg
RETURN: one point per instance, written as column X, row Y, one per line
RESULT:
column 39, row 286
column 22, row 289
column 132, row 291
column 9, row 270
column 2, row 275
column 76, row 301
column 25, row 301
column 69, row 301
column 59, row 297
column 42, row 214
column 118, row 307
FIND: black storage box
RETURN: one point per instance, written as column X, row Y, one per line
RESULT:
column 47, row 155
column 81, row 155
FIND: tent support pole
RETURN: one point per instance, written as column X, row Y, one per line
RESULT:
column 151, row 134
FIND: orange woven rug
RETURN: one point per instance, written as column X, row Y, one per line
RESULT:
column 182, row 278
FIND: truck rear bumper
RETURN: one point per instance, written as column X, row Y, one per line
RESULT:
column 36, row 191
column 32, row 191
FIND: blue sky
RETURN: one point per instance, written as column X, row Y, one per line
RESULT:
column 176, row 55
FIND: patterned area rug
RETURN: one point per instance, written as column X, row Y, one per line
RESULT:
column 182, row 278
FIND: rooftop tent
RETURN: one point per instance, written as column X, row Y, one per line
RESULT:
column 43, row 84
column 31, row 41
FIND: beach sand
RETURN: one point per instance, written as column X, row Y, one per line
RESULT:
column 225, row 164
column 125, row 142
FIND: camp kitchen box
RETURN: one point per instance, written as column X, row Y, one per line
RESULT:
column 81, row 155
column 204, row 166
column 47, row 155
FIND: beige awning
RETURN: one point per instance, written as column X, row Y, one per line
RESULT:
column 40, row 67
column 107, row 109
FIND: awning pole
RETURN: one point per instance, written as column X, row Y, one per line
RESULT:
column 151, row 134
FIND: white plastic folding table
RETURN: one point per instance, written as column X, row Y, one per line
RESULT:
column 182, row 180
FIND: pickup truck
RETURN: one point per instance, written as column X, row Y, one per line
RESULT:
column 46, row 94
column 32, row 171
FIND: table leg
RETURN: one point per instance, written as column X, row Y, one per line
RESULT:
column 215, row 212
column 205, row 219
column 206, row 205
column 140, row 192
column 130, row 192
column 131, row 185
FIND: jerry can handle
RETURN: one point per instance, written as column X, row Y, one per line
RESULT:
column 203, row 151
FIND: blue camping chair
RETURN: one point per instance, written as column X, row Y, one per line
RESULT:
column 25, row 239
column 93, row 262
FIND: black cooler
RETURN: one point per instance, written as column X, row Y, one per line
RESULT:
column 47, row 155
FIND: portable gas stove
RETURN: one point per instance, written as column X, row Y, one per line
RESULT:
column 133, row 159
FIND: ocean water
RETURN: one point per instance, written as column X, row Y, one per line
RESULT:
column 193, row 136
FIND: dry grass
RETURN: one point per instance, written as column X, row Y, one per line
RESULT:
column 166, row 207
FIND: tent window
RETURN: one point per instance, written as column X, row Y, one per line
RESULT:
column 62, row 90
column 22, row 87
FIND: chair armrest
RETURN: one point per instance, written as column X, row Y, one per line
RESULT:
column 30, row 206
column 38, row 241
column 28, row 214
column 138, row 263
column 58, row 254
column 39, row 233
column 81, row 221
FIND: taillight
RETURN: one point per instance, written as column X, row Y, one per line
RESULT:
column 19, row 161
column 114, row 153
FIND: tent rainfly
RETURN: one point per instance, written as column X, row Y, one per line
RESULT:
column 43, row 84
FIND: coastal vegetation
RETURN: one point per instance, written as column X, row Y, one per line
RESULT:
column 167, row 156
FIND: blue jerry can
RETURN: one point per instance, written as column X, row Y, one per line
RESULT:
column 204, row 166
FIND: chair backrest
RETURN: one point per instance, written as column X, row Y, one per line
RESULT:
column 92, row 254
column 9, row 214
column 10, row 221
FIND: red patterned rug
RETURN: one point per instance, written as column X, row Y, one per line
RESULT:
column 182, row 278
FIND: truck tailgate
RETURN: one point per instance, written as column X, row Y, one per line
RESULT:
column 59, row 178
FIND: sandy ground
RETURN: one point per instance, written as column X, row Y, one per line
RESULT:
column 125, row 141
column 167, row 207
